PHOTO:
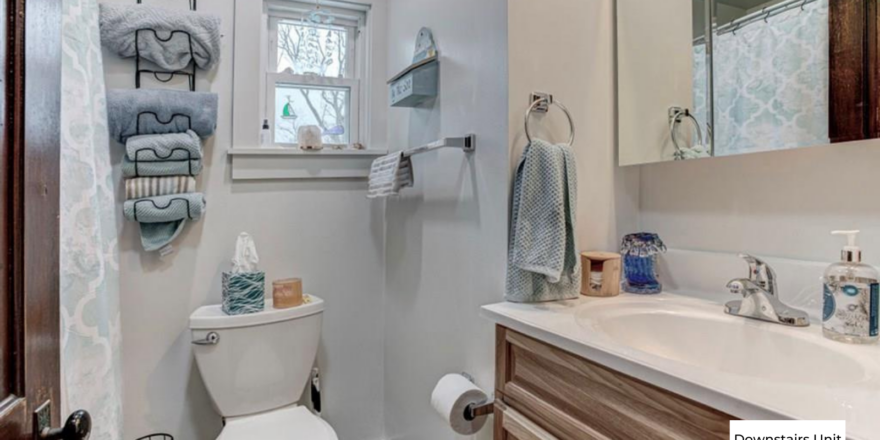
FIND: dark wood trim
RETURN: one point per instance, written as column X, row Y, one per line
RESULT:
column 30, row 190
column 848, row 70
column 41, row 129
column 872, row 67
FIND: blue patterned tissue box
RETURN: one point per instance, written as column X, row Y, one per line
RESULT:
column 244, row 293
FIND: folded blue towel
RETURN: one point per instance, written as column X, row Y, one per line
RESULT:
column 155, row 155
column 158, row 147
column 154, row 111
column 163, row 218
column 122, row 27
column 543, row 264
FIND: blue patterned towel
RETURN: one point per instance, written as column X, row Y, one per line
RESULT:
column 155, row 111
column 543, row 264
column 163, row 218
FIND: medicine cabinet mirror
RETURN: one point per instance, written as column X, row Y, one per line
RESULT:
column 712, row 78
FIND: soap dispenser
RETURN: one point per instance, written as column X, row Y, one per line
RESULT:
column 851, row 297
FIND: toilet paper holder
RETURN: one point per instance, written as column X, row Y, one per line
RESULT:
column 474, row 410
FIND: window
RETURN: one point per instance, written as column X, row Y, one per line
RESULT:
column 314, row 72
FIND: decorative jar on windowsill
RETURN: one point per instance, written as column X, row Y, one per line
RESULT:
column 640, row 262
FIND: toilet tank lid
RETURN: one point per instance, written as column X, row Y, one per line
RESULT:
column 213, row 318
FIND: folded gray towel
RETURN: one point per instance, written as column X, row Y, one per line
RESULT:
column 159, row 147
column 163, row 218
column 153, row 111
column 120, row 25
column 543, row 264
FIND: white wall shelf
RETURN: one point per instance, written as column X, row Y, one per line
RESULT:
column 273, row 163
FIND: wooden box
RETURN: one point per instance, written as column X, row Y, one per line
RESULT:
column 609, row 265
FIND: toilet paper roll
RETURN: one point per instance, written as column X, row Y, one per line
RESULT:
column 451, row 396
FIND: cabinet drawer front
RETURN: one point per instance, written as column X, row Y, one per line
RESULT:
column 576, row 399
column 515, row 426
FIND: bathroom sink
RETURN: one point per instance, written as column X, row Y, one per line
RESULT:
column 700, row 335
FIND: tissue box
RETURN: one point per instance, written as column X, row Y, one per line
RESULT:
column 244, row 293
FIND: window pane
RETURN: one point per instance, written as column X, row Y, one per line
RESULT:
column 305, row 49
column 326, row 107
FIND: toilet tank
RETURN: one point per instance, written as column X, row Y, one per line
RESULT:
column 260, row 361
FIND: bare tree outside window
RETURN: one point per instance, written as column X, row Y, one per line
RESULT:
column 322, row 51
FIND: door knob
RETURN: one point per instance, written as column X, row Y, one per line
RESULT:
column 77, row 427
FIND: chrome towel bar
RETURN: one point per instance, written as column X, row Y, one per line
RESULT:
column 467, row 143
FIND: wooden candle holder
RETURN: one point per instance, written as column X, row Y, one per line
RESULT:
column 287, row 293
column 609, row 264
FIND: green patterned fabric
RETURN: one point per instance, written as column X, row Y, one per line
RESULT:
column 91, row 336
column 771, row 83
column 244, row 293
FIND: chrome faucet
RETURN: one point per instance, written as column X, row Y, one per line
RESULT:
column 760, row 298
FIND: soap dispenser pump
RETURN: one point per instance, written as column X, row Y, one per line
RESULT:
column 851, row 297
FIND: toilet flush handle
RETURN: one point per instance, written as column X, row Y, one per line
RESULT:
column 211, row 339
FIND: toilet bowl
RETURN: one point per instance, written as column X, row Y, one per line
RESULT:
column 256, row 367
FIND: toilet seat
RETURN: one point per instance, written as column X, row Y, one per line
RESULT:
column 290, row 423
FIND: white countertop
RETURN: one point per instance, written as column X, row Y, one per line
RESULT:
column 568, row 326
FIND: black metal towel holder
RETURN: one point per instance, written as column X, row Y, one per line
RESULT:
column 165, row 76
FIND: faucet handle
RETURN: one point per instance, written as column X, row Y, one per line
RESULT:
column 761, row 273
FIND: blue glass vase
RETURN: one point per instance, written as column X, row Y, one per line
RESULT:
column 640, row 261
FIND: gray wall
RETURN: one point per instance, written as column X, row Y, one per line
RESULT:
column 446, row 238
column 325, row 232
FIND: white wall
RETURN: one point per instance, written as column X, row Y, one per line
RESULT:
column 575, row 62
column 326, row 232
column 656, row 71
column 446, row 238
column 778, row 204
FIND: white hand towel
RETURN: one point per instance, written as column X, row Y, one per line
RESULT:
column 389, row 174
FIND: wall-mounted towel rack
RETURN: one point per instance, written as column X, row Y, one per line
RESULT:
column 467, row 143
column 163, row 75
column 540, row 103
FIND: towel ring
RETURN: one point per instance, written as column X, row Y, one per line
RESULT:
column 541, row 103
column 676, row 116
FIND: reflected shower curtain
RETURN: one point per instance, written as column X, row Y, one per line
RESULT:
column 772, row 83
column 90, row 329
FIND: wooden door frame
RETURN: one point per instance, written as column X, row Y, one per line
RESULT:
column 854, row 70
column 31, row 143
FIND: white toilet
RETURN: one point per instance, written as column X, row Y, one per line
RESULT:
column 256, row 367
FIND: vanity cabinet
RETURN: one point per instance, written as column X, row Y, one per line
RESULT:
column 545, row 393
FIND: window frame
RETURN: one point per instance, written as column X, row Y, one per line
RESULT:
column 274, row 79
column 356, row 71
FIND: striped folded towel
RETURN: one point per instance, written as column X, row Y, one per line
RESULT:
column 389, row 174
column 142, row 187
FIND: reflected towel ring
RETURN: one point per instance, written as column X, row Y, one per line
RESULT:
column 541, row 103
column 676, row 116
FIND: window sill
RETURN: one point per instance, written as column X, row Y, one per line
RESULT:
column 273, row 163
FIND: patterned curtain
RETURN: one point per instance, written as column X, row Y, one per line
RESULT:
column 771, row 83
column 90, row 326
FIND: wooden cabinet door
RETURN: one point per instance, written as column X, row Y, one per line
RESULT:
column 576, row 399
column 29, row 175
